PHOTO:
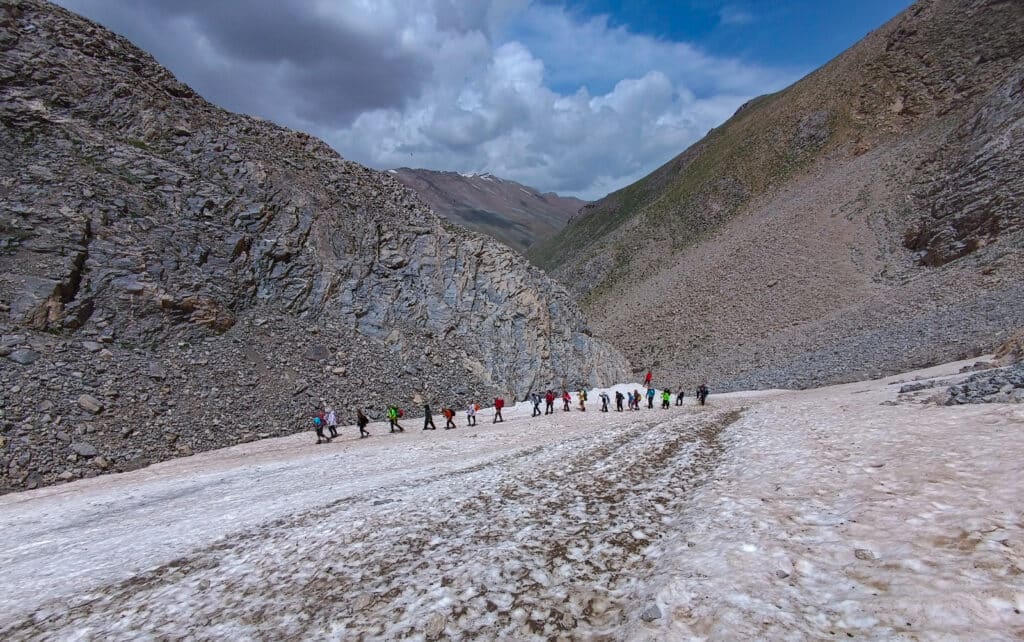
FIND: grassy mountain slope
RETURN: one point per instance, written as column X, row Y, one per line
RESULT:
column 865, row 219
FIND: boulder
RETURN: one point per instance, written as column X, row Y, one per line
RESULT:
column 90, row 404
column 24, row 356
column 84, row 449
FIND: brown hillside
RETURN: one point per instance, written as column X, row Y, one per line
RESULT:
column 866, row 219
column 512, row 213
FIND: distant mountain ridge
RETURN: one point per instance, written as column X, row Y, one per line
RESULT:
column 515, row 214
column 868, row 219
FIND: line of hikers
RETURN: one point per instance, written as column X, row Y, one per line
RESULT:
column 328, row 420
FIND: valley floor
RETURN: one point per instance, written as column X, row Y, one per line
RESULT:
column 780, row 515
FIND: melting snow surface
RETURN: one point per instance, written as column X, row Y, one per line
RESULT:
column 764, row 515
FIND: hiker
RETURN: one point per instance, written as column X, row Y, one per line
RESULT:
column 636, row 399
column 679, row 397
column 582, row 394
column 566, row 400
column 647, row 379
column 449, row 415
column 471, row 414
column 428, row 418
column 393, row 418
column 499, row 403
column 650, row 398
column 362, row 420
column 618, row 400
column 604, row 402
column 318, row 425
column 535, row 399
column 702, row 393
column 549, row 401
column 666, row 398
column 332, row 423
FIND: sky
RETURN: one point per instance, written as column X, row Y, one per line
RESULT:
column 581, row 97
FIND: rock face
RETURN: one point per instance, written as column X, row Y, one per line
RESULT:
column 514, row 214
column 1005, row 385
column 200, row 278
column 1012, row 350
column 867, row 220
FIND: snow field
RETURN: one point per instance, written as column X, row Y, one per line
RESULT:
column 547, row 537
column 835, row 516
column 768, row 515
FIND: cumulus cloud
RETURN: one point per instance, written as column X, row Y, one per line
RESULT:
column 524, row 90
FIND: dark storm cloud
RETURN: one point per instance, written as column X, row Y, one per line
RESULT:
column 468, row 85
column 273, row 58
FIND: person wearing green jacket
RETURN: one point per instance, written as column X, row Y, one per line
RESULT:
column 393, row 418
column 666, row 398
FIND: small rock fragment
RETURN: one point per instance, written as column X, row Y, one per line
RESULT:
column 90, row 404
column 651, row 613
column 84, row 449
column 24, row 356
column 435, row 626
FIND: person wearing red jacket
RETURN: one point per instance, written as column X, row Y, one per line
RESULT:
column 449, row 414
column 566, row 400
column 549, row 400
column 647, row 379
column 499, row 403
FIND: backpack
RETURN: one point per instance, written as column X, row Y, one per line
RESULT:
column 317, row 421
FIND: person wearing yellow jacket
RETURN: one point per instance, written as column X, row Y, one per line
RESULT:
column 393, row 418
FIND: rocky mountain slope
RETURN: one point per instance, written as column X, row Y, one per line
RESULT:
column 867, row 219
column 176, row 278
column 515, row 214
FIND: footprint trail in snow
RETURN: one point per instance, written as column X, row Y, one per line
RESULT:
column 543, row 542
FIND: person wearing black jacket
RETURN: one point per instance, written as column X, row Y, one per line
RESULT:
column 428, row 418
column 362, row 420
